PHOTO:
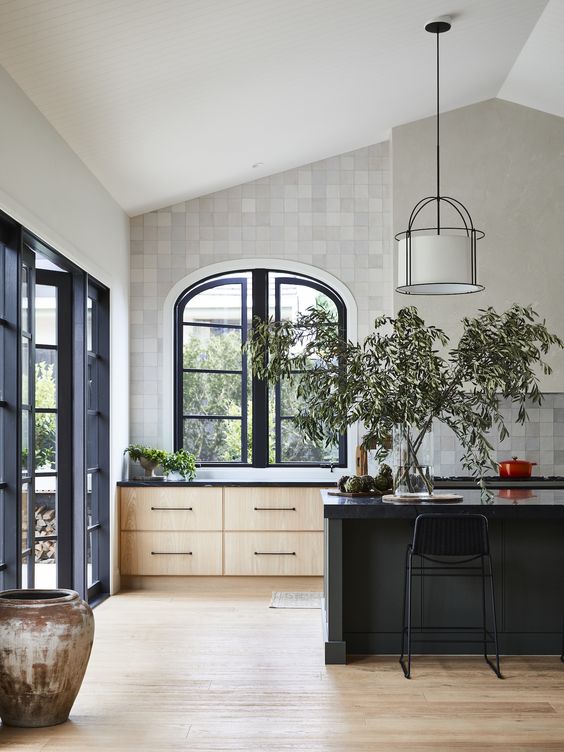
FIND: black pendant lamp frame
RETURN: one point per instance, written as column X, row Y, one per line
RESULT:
column 438, row 27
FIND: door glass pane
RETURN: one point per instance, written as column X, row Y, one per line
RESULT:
column 25, row 372
column 92, row 386
column 92, row 574
column 90, row 304
column 212, row 394
column 92, row 428
column 213, row 440
column 25, row 443
column 46, row 315
column 25, row 299
column 45, row 527
column 25, row 515
column 45, row 441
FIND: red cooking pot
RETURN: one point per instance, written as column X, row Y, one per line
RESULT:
column 515, row 468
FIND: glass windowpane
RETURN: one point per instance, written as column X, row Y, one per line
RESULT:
column 45, row 315
column 25, row 516
column 212, row 348
column 212, row 394
column 26, row 464
column 296, row 448
column 92, row 428
column 217, row 305
column 213, row 440
column 25, row 372
column 25, row 299
column 90, row 305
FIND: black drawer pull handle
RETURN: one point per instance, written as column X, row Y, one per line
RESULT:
column 172, row 509
column 275, row 553
column 171, row 553
column 275, row 509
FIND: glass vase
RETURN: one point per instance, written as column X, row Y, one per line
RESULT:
column 412, row 461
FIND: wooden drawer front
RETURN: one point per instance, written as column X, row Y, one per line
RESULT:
column 273, row 509
column 171, row 553
column 274, row 554
column 171, row 508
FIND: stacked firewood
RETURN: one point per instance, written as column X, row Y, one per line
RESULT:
column 44, row 525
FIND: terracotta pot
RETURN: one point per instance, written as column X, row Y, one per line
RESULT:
column 515, row 468
column 45, row 642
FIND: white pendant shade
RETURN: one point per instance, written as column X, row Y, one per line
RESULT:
column 436, row 265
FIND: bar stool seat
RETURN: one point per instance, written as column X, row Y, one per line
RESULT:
column 455, row 545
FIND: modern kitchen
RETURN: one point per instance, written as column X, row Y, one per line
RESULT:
column 282, row 375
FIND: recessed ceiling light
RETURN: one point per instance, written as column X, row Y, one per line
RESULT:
column 258, row 164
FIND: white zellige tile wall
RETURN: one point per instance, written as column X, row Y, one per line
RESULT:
column 333, row 215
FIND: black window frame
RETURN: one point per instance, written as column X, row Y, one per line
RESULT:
column 16, row 245
column 259, row 451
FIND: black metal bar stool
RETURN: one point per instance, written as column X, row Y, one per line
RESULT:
column 459, row 540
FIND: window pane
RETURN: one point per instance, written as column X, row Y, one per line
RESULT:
column 92, row 566
column 295, row 448
column 45, row 315
column 213, row 440
column 212, row 394
column 45, row 526
column 25, row 516
column 25, row 299
column 217, row 305
column 92, row 499
column 212, row 347
column 90, row 305
column 45, row 441
column 26, row 416
column 45, row 378
column 92, row 390
column 92, row 428
column 25, row 372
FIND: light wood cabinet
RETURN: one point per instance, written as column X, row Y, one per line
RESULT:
column 273, row 509
column 274, row 553
column 171, row 553
column 171, row 508
column 232, row 530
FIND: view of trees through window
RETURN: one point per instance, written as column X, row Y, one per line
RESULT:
column 214, row 388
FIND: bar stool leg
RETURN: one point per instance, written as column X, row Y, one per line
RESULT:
column 496, row 668
column 403, row 626
column 407, row 669
column 484, row 624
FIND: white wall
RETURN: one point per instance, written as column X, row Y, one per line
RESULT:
column 332, row 215
column 505, row 162
column 45, row 187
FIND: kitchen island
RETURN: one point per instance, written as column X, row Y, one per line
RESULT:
column 365, row 544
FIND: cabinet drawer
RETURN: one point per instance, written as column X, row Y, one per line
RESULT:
column 171, row 508
column 265, row 553
column 171, row 553
column 273, row 509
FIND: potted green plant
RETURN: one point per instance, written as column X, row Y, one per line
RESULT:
column 402, row 377
column 147, row 457
column 179, row 465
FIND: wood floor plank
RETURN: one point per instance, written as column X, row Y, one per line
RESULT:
column 208, row 667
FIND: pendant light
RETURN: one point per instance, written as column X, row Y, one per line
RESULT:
column 441, row 259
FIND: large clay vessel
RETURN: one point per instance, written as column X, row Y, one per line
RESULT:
column 45, row 642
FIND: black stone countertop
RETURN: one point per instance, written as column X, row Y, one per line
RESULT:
column 201, row 483
column 516, row 503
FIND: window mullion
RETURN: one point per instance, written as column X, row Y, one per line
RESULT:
column 260, row 386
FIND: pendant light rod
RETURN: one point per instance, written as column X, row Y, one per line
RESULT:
column 438, row 146
column 438, row 26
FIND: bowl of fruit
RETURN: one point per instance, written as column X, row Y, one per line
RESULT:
column 366, row 485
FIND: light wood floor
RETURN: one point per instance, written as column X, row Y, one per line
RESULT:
column 213, row 668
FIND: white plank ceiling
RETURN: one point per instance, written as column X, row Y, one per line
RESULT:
column 165, row 100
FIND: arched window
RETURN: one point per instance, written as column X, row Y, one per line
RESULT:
column 222, row 414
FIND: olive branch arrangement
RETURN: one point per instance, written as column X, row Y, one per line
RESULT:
column 402, row 374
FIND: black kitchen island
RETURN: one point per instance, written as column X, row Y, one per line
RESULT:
column 365, row 544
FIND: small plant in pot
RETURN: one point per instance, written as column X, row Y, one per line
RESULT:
column 179, row 465
column 147, row 457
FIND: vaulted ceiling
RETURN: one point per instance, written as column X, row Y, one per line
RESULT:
column 165, row 100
